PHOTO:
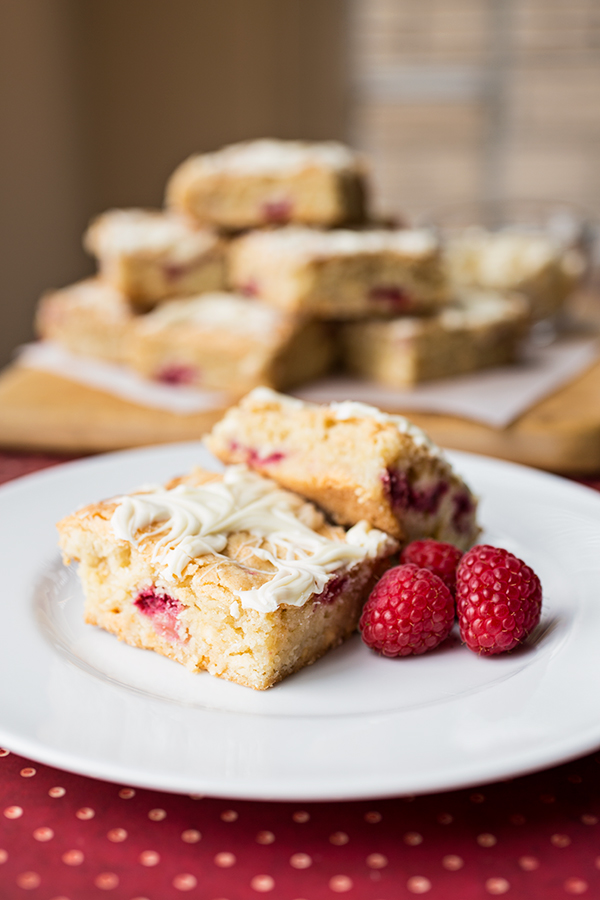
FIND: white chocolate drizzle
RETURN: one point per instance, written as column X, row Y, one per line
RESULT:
column 190, row 521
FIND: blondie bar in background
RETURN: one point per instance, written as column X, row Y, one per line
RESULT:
column 151, row 255
column 89, row 318
column 542, row 268
column 341, row 273
column 268, row 182
column 227, row 342
column 476, row 331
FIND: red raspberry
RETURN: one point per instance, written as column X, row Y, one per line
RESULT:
column 410, row 611
column 499, row 599
column 441, row 559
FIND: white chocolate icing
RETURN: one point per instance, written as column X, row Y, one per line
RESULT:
column 217, row 311
column 298, row 242
column 272, row 156
column 122, row 231
column 192, row 521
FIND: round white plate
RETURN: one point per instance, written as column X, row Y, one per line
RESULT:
column 354, row 724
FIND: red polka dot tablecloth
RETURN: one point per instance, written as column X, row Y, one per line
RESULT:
column 68, row 837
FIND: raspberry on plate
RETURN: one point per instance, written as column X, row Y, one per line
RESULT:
column 498, row 597
column 440, row 558
column 410, row 611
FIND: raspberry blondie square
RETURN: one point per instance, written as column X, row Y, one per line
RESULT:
column 89, row 318
column 478, row 330
column 224, row 572
column 341, row 274
column 354, row 461
column 228, row 342
column 152, row 255
column 530, row 262
column 268, row 182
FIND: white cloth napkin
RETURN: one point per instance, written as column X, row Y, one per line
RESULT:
column 119, row 380
column 494, row 397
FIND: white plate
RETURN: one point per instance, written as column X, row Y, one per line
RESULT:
column 354, row 724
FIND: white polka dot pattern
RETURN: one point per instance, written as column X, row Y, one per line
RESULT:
column 229, row 815
column 262, row 883
column 191, row 836
column 503, row 840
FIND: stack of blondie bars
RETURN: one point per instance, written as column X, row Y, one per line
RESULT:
column 266, row 268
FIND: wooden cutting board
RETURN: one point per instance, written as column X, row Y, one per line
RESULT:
column 39, row 411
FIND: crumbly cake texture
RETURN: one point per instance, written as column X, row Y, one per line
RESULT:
column 227, row 342
column 152, row 255
column 341, row 273
column 224, row 573
column 478, row 330
column 531, row 262
column 89, row 318
column 353, row 461
column 271, row 182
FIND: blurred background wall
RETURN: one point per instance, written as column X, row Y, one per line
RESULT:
column 101, row 99
column 452, row 100
column 459, row 99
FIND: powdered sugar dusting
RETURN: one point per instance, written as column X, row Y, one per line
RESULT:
column 301, row 242
column 139, row 230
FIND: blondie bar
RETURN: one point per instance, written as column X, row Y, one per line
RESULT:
column 269, row 182
column 152, row 255
column 226, row 573
column 228, row 342
column 341, row 274
column 354, row 461
column 530, row 262
column 478, row 330
column 89, row 318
